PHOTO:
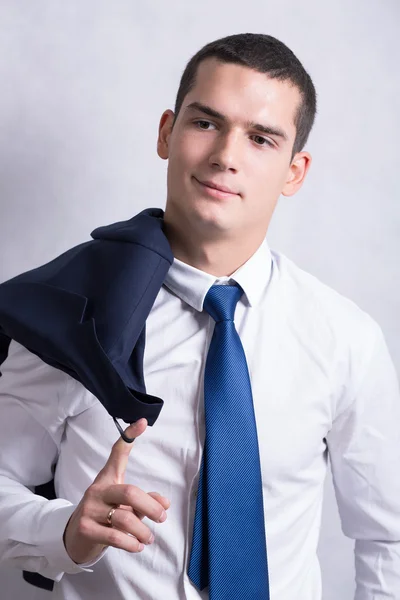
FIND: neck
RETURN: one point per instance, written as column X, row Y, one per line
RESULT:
column 219, row 257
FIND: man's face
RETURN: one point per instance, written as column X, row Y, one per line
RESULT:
column 231, row 150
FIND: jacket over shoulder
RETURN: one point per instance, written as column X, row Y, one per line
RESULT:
column 85, row 311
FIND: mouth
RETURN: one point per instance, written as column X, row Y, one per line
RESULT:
column 213, row 192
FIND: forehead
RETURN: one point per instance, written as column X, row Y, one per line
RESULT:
column 243, row 94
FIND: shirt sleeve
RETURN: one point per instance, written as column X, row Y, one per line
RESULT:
column 33, row 398
column 364, row 449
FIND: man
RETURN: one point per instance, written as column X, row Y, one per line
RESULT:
column 321, row 381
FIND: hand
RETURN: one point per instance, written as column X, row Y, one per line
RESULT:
column 87, row 532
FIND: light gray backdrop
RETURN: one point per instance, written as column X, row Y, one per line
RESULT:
column 82, row 87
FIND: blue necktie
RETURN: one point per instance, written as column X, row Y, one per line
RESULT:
column 229, row 549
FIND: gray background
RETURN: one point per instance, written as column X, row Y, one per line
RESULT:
column 82, row 88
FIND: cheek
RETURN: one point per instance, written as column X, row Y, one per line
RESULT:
column 181, row 166
column 275, row 171
column 192, row 149
column 266, row 182
column 187, row 159
column 182, row 155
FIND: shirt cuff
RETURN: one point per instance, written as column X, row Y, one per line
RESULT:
column 52, row 546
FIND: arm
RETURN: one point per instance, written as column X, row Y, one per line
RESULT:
column 364, row 448
column 33, row 399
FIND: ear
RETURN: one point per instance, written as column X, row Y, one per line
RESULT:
column 297, row 172
column 164, row 133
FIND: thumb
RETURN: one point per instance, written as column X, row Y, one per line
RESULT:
column 114, row 469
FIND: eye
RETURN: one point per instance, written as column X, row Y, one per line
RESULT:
column 202, row 121
column 263, row 139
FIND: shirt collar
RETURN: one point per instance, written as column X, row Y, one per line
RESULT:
column 192, row 284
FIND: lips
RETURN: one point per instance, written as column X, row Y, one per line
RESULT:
column 217, row 186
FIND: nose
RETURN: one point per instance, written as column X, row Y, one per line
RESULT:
column 225, row 152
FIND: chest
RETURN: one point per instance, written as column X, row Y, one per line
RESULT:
column 292, row 396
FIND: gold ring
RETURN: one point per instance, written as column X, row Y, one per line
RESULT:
column 110, row 514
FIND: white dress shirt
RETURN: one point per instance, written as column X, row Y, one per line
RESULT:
column 323, row 382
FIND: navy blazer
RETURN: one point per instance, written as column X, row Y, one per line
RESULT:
column 85, row 313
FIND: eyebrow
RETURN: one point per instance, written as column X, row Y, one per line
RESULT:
column 211, row 112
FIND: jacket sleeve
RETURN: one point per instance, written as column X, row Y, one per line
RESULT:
column 33, row 400
column 364, row 448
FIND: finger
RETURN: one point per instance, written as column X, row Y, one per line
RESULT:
column 114, row 469
column 161, row 499
column 139, row 500
column 130, row 523
column 166, row 503
column 109, row 536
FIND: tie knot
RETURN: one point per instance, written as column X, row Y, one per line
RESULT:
column 220, row 301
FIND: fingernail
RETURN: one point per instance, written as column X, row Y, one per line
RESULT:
column 141, row 547
column 151, row 539
column 163, row 517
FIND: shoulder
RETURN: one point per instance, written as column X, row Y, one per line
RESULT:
column 332, row 330
column 320, row 312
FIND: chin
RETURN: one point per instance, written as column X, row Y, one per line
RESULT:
column 201, row 214
column 212, row 218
